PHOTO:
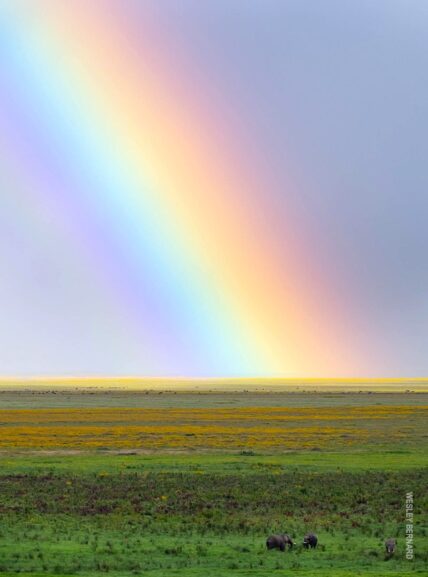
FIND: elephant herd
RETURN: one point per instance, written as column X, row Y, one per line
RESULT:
column 310, row 541
column 283, row 541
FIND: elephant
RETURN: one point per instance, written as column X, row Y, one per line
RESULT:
column 310, row 540
column 279, row 542
column 390, row 545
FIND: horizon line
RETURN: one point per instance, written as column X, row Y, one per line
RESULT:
column 208, row 378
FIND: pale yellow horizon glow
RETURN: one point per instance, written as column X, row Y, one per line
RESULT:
column 225, row 384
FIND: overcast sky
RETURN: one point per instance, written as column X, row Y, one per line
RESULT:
column 334, row 98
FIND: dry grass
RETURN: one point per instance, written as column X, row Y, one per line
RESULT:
column 218, row 384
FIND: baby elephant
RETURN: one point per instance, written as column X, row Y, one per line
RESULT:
column 390, row 545
column 279, row 542
column 310, row 540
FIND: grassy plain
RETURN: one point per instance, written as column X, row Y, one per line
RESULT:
column 191, row 484
column 238, row 428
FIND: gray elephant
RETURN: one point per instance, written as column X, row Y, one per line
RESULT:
column 279, row 542
column 310, row 540
column 390, row 545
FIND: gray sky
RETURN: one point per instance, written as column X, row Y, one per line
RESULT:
column 334, row 99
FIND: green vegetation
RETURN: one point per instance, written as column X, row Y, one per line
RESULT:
column 205, row 522
column 246, row 463
column 207, row 514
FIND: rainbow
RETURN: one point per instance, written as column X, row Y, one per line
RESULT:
column 115, row 150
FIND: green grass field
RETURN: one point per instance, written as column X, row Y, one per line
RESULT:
column 203, row 513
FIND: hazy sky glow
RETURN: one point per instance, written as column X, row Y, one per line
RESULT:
column 217, row 188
